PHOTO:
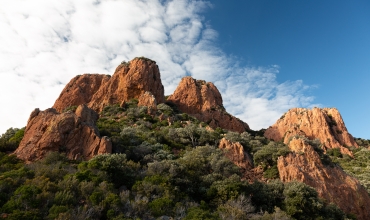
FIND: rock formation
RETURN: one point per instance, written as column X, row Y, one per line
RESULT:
column 130, row 80
column 72, row 133
column 235, row 152
column 148, row 99
column 324, row 124
column 80, row 90
column 203, row 100
column 331, row 182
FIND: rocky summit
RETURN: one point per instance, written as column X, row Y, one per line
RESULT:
column 69, row 132
column 202, row 100
column 324, row 124
column 129, row 81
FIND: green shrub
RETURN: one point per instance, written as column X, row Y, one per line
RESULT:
column 161, row 206
column 9, row 141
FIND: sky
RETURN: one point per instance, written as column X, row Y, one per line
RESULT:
column 265, row 57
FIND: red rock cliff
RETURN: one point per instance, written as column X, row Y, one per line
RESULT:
column 331, row 183
column 130, row 80
column 80, row 90
column 203, row 100
column 72, row 133
column 325, row 124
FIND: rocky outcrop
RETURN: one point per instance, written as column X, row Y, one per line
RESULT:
column 148, row 99
column 203, row 100
column 130, row 80
column 324, row 124
column 235, row 152
column 69, row 132
column 80, row 90
column 331, row 182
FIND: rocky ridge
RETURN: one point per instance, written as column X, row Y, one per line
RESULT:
column 202, row 100
column 130, row 80
column 69, row 132
column 324, row 124
column 331, row 182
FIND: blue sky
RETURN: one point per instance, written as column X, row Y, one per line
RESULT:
column 323, row 43
column 265, row 57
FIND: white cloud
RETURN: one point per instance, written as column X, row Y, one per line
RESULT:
column 43, row 44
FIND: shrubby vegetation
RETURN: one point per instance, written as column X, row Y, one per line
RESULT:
column 359, row 165
column 166, row 164
column 10, row 140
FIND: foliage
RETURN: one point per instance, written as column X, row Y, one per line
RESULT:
column 164, row 164
column 10, row 140
column 70, row 108
column 358, row 166
column 267, row 158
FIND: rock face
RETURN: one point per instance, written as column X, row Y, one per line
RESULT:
column 130, row 80
column 324, row 124
column 72, row 133
column 148, row 99
column 203, row 100
column 331, row 182
column 235, row 152
column 80, row 90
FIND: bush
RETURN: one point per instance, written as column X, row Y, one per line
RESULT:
column 9, row 141
column 301, row 201
column 334, row 152
column 161, row 206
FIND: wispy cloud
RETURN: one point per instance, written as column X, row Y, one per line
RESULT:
column 43, row 44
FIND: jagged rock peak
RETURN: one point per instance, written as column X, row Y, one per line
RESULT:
column 330, row 181
column 130, row 80
column 203, row 100
column 325, row 124
column 73, row 133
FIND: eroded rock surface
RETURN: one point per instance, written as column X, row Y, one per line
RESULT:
column 69, row 132
column 331, row 182
column 235, row 152
column 324, row 124
column 80, row 90
column 148, row 99
column 203, row 100
column 130, row 80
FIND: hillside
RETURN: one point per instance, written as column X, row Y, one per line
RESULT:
column 113, row 147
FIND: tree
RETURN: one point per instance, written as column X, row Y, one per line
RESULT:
column 301, row 201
